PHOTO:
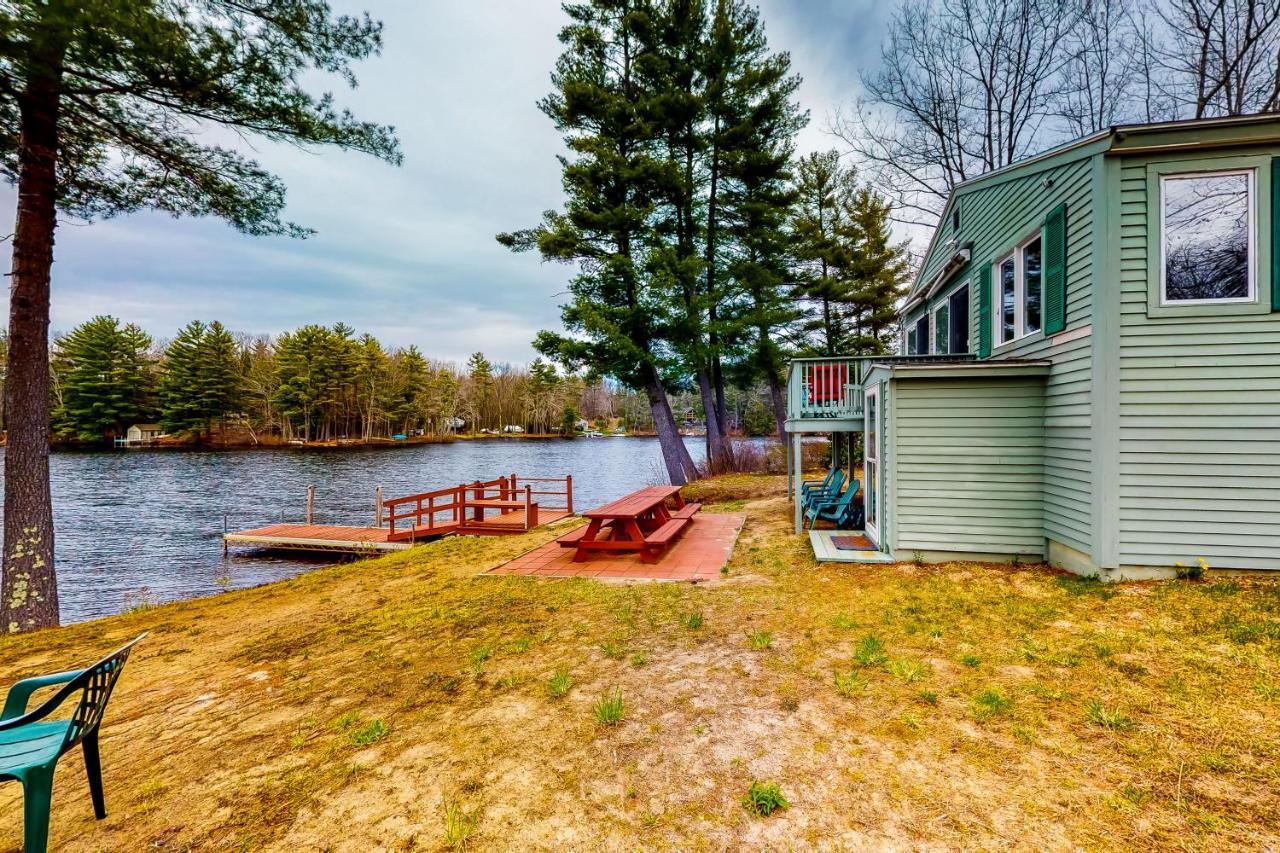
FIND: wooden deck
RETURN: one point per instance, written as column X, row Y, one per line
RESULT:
column 368, row 540
column 491, row 508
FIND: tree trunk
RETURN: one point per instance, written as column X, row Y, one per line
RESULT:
column 675, row 455
column 29, row 592
column 777, row 396
column 717, row 377
column 719, row 452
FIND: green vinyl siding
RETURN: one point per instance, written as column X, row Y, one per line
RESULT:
column 996, row 219
column 1199, row 419
column 967, row 465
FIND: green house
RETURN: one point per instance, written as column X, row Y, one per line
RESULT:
column 1090, row 372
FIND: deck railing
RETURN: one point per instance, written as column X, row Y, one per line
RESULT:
column 831, row 387
column 445, row 510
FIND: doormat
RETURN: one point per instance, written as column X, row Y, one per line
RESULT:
column 852, row 542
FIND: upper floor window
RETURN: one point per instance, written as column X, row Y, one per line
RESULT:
column 1019, row 284
column 1208, row 251
column 921, row 336
column 951, row 323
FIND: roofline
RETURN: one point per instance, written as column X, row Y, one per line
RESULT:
column 1114, row 133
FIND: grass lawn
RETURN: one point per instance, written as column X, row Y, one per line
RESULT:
column 407, row 704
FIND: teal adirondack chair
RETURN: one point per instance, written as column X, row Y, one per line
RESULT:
column 822, row 485
column 840, row 511
column 30, row 746
column 831, row 492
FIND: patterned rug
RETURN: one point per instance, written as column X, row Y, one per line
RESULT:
column 853, row 542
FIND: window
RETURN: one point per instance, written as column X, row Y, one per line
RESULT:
column 1020, row 292
column 951, row 323
column 1207, row 238
column 1008, row 300
column 922, row 335
column 959, row 317
column 911, row 341
column 1031, row 287
column 942, row 329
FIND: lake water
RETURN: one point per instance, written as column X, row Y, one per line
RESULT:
column 147, row 525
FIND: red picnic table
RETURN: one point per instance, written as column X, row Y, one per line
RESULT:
column 642, row 521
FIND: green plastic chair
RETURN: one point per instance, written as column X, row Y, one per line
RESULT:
column 30, row 746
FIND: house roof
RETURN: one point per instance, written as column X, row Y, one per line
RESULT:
column 146, row 427
column 1120, row 139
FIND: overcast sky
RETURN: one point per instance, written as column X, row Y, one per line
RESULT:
column 409, row 253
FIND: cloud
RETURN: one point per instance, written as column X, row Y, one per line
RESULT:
column 408, row 253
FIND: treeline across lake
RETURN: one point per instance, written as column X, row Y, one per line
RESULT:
column 317, row 383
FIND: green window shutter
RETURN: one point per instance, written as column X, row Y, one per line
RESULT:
column 1055, row 270
column 1275, row 234
column 984, row 311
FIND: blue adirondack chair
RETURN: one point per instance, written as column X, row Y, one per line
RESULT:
column 30, row 746
column 819, row 485
column 830, row 493
column 840, row 511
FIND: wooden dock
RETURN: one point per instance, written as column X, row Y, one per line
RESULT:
column 502, row 506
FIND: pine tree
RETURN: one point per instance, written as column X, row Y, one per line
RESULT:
column 876, row 271
column 823, row 188
column 113, row 107
column 181, row 407
column 200, row 381
column 105, row 376
column 611, row 180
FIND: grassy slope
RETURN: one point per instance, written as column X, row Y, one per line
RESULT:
column 1007, row 707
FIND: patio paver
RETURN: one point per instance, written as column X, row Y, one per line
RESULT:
column 698, row 555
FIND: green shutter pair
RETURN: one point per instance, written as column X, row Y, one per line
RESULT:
column 1054, row 242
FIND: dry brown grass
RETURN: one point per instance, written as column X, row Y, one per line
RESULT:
column 995, row 708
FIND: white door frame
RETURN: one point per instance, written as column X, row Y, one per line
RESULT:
column 872, row 498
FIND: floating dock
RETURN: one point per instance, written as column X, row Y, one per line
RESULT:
column 502, row 506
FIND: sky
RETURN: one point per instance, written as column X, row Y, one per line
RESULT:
column 408, row 253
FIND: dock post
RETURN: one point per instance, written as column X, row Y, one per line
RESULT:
column 568, row 491
column 530, row 509
column 224, row 535
column 311, row 503
column 377, row 506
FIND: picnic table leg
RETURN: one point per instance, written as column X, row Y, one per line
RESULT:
column 634, row 534
column 580, row 554
column 679, row 500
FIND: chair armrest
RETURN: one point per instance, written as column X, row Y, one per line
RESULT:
column 15, row 704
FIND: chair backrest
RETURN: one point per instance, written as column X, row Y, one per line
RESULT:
column 94, row 684
column 848, row 495
column 836, row 482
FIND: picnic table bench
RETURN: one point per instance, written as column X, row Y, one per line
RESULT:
column 647, row 521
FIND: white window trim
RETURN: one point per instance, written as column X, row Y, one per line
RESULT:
column 1252, row 176
column 933, row 327
column 945, row 299
column 1019, row 295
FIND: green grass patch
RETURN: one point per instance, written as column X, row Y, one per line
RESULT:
column 609, row 709
column 764, row 798
column 559, row 683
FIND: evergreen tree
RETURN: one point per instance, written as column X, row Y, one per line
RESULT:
column 200, row 382
column 112, row 107
column 480, row 393
column 822, row 189
column 602, row 105
column 876, row 271
column 373, row 383
column 104, row 373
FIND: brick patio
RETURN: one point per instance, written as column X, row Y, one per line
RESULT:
column 698, row 555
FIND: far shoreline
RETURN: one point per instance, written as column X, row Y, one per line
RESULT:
column 333, row 444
